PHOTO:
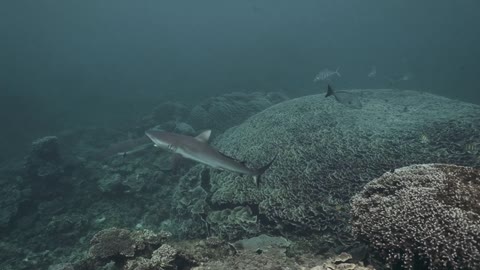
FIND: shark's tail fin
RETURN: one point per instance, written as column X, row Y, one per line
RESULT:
column 329, row 91
column 261, row 171
column 338, row 73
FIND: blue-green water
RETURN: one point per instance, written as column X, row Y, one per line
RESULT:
column 97, row 74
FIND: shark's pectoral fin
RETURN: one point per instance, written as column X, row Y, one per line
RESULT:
column 261, row 171
column 204, row 136
column 255, row 181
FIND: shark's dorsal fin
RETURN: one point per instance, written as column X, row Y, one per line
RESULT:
column 330, row 91
column 204, row 136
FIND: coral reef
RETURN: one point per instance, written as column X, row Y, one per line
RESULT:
column 327, row 153
column 52, row 206
column 233, row 223
column 165, row 257
column 225, row 111
column 343, row 261
column 131, row 251
column 422, row 216
column 264, row 243
column 10, row 198
column 116, row 244
column 44, row 162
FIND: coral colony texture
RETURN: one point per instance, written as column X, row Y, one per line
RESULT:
column 97, row 198
column 326, row 153
column 422, row 215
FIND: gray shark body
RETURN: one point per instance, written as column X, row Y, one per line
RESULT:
column 198, row 149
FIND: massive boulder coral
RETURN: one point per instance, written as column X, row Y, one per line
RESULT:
column 327, row 152
column 225, row 111
column 426, row 216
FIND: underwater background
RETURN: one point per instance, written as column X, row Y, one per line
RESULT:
column 382, row 173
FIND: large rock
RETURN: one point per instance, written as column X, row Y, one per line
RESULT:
column 327, row 152
column 427, row 216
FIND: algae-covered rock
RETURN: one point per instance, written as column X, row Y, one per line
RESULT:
column 426, row 216
column 327, row 152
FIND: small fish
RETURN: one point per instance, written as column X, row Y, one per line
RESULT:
column 326, row 74
column 424, row 138
column 471, row 147
column 346, row 98
column 403, row 78
column 406, row 77
column 373, row 72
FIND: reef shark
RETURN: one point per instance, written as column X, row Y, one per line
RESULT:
column 198, row 149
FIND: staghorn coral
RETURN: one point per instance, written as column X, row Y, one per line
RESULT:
column 422, row 216
column 328, row 152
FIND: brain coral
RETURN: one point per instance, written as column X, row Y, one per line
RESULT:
column 427, row 216
column 327, row 152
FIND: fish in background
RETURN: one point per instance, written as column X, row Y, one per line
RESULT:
column 345, row 98
column 407, row 76
column 373, row 72
column 326, row 75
